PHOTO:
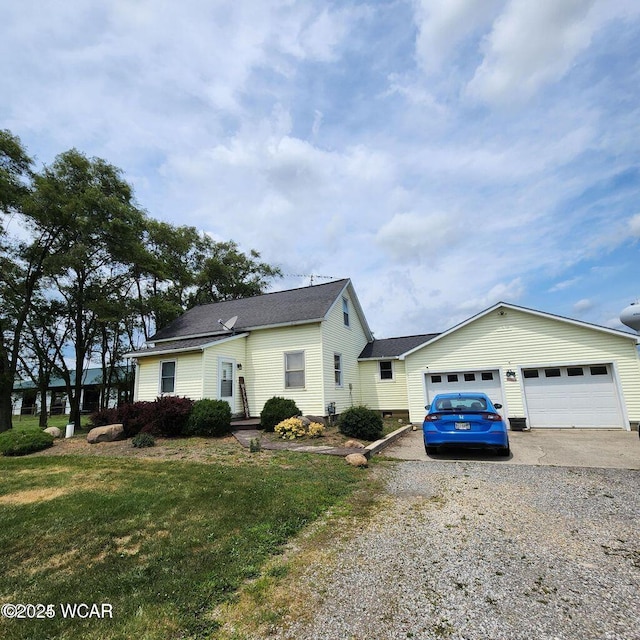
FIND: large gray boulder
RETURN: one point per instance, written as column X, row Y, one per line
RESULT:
column 108, row 433
column 53, row 431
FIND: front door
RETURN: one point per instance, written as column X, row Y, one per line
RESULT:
column 226, row 386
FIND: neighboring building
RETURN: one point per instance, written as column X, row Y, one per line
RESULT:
column 314, row 345
column 27, row 400
column 302, row 344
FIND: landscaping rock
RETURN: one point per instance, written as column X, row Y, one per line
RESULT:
column 353, row 444
column 305, row 421
column 318, row 419
column 357, row 460
column 108, row 433
column 53, row 431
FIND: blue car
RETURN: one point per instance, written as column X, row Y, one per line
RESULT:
column 464, row 420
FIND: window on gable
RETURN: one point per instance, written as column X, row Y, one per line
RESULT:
column 345, row 311
column 337, row 369
column 294, row 369
column 386, row 370
column 168, row 377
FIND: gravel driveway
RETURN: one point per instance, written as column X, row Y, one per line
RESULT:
column 470, row 550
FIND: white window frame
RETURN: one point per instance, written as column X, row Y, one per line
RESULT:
column 287, row 370
column 337, row 371
column 346, row 315
column 393, row 374
column 163, row 377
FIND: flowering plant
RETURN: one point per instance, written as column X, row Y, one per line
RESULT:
column 292, row 428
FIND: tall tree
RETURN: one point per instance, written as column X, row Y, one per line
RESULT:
column 101, row 236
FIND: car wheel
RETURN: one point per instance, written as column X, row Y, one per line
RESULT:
column 430, row 450
column 504, row 451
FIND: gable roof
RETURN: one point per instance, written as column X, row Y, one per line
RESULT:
column 280, row 308
column 542, row 314
column 394, row 347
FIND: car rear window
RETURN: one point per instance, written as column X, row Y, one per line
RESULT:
column 461, row 403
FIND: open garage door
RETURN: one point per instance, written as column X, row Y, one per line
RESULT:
column 576, row 396
column 487, row 381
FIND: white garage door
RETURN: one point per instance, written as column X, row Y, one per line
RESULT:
column 455, row 382
column 580, row 396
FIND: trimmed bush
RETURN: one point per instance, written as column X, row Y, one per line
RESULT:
column 361, row 422
column 170, row 415
column 209, row 418
column 20, row 443
column 276, row 410
column 143, row 440
column 103, row 417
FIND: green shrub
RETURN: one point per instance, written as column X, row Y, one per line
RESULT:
column 20, row 443
column 143, row 440
column 361, row 422
column 276, row 410
column 209, row 418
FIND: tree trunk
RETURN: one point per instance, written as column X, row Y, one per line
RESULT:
column 43, row 407
column 6, row 408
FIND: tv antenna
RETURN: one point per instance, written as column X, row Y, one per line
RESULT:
column 229, row 324
column 311, row 277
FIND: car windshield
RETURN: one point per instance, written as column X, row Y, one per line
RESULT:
column 461, row 403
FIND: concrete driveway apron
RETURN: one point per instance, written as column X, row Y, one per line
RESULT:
column 608, row 449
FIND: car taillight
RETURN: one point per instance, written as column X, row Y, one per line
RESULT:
column 492, row 416
column 432, row 417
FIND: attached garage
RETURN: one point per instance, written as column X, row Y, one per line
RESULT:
column 550, row 370
column 582, row 396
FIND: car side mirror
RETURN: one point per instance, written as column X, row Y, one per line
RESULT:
column 498, row 406
column 427, row 407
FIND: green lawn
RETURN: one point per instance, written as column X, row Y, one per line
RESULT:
column 161, row 542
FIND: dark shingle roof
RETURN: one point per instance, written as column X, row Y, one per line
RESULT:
column 188, row 344
column 394, row 347
column 281, row 307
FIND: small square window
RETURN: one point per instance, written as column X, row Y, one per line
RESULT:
column 487, row 375
column 386, row 370
column 599, row 370
column 552, row 373
column 436, row 379
column 531, row 373
column 469, row 377
column 452, row 377
column 575, row 371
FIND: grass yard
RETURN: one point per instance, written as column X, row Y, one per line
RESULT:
column 161, row 542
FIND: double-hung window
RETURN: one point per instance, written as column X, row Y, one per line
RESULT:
column 337, row 369
column 168, row 377
column 345, row 311
column 294, row 370
column 386, row 370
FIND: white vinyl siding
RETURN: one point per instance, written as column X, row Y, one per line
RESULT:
column 264, row 370
column 383, row 395
column 188, row 376
column 510, row 339
column 349, row 343
column 233, row 349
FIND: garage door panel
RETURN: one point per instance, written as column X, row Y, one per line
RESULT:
column 486, row 381
column 584, row 397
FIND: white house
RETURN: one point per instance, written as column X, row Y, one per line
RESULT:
column 314, row 345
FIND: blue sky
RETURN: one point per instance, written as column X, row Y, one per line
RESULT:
column 443, row 154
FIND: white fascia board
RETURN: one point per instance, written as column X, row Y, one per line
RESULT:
column 201, row 347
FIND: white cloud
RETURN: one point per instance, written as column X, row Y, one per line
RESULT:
column 531, row 44
column 584, row 305
column 634, row 225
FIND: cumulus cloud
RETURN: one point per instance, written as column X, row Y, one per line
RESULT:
column 410, row 235
column 584, row 305
column 530, row 45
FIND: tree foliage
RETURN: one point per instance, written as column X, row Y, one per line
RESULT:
column 86, row 275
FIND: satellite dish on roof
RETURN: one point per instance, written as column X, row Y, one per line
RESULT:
column 230, row 323
column 631, row 316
